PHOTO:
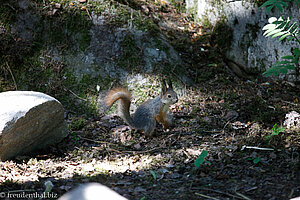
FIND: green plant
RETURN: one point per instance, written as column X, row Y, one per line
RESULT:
column 201, row 159
column 275, row 131
column 279, row 4
column 254, row 160
column 153, row 175
column 75, row 138
column 284, row 28
column 77, row 124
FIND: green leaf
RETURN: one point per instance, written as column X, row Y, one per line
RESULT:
column 279, row 68
column 282, row 3
column 256, row 160
column 277, row 129
column 283, row 28
column 273, row 32
column 271, row 20
column 279, row 4
column 153, row 174
column 209, row 163
column 283, row 71
column 283, row 62
column 269, row 8
column 268, row 136
column 293, row 27
column 201, row 158
column 279, row 7
column 269, row 27
column 278, row 34
column 296, row 52
column 284, row 36
column 287, row 57
column 268, row 3
column 290, row 67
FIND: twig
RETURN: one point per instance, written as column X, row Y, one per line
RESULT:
column 77, row 96
column 220, row 192
column 243, row 196
column 295, row 36
column 258, row 148
column 208, row 197
column 226, row 125
column 87, row 11
column 291, row 194
column 16, row 87
column 108, row 149
column 289, row 103
column 6, row 4
column 213, row 131
column 250, row 189
column 96, row 141
column 102, row 142
column 146, row 151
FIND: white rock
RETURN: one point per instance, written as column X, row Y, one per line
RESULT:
column 92, row 191
column 29, row 121
column 292, row 120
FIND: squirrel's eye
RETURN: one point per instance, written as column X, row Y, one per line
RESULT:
column 169, row 96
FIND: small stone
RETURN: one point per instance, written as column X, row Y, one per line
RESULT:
column 137, row 146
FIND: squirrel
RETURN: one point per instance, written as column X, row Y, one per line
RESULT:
column 148, row 112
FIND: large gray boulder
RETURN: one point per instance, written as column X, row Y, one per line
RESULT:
column 29, row 121
column 249, row 49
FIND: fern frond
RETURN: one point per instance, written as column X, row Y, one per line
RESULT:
column 279, row 4
column 289, row 63
column 283, row 28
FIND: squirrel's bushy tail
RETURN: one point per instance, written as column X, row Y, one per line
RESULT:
column 124, row 98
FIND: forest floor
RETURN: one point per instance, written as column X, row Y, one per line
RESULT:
column 104, row 150
column 233, row 120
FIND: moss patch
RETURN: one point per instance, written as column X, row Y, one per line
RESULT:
column 131, row 58
column 222, row 35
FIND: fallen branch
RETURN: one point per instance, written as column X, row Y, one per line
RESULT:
column 12, row 76
column 208, row 197
column 243, row 196
column 146, row 151
column 258, row 148
column 87, row 11
column 77, row 96
column 96, row 141
column 220, row 192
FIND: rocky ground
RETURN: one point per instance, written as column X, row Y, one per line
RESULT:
column 232, row 119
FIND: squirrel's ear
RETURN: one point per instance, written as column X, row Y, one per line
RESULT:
column 170, row 84
column 163, row 87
